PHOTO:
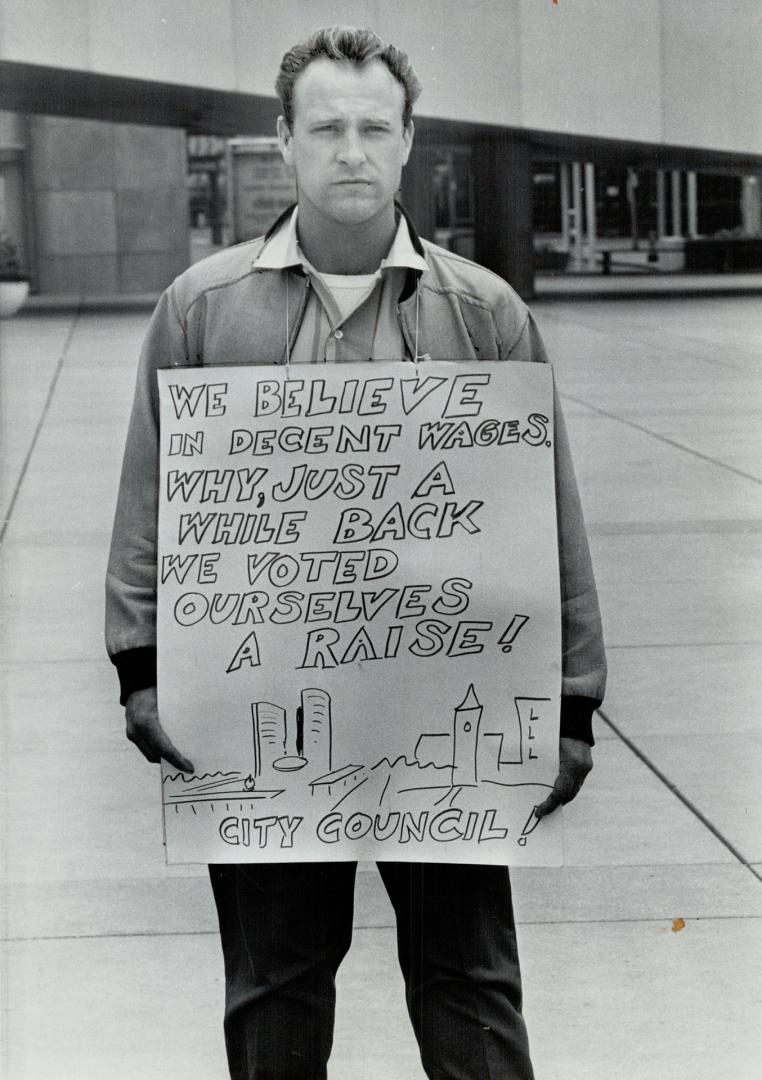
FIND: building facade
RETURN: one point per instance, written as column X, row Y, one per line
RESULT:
column 565, row 132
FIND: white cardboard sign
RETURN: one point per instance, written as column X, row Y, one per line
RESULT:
column 358, row 617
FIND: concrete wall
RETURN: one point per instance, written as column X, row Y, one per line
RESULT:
column 11, row 131
column 672, row 71
column 593, row 68
column 111, row 206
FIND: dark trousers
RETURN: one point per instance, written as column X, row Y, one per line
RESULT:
column 286, row 928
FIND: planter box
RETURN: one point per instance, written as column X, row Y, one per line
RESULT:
column 12, row 296
column 550, row 261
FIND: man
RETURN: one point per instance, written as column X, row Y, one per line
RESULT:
column 344, row 277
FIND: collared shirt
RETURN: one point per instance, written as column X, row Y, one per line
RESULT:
column 363, row 328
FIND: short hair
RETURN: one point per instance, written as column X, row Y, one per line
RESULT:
column 345, row 44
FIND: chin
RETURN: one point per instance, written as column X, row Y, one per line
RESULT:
column 345, row 208
column 353, row 214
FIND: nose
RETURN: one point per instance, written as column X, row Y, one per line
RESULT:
column 351, row 151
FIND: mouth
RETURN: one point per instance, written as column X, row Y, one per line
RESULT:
column 353, row 183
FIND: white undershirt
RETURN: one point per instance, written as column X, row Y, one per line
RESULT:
column 349, row 290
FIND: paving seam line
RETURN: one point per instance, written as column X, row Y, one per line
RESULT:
column 660, row 438
column 645, row 759
column 40, row 422
column 646, row 645
column 20, row 939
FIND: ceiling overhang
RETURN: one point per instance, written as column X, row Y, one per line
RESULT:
column 31, row 88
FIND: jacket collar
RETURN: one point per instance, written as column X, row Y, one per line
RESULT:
column 281, row 249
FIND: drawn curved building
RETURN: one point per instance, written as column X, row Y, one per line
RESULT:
column 317, row 739
column 269, row 724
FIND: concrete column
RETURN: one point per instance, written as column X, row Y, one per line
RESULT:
column 677, row 227
column 11, row 131
column 661, row 204
column 751, row 205
column 590, row 220
column 692, row 202
column 503, row 209
column 417, row 188
column 576, row 180
column 564, row 197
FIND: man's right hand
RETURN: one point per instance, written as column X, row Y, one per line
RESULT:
column 144, row 729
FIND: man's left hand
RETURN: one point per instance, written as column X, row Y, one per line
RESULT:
column 576, row 761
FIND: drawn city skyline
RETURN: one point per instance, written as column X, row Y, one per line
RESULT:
column 310, row 737
column 465, row 755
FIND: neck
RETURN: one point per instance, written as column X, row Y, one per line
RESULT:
column 335, row 248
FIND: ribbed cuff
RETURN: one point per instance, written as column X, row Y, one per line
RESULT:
column 136, row 669
column 577, row 718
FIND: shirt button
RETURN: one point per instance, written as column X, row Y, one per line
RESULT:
column 338, row 334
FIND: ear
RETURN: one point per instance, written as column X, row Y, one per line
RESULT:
column 284, row 140
column 407, row 139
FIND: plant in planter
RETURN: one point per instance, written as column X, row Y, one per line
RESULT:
column 14, row 283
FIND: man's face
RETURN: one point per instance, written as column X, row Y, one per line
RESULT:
column 347, row 143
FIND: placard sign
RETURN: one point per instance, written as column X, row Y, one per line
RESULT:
column 359, row 626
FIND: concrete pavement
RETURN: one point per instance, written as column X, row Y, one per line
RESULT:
column 111, row 963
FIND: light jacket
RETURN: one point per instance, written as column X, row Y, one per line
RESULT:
column 226, row 310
